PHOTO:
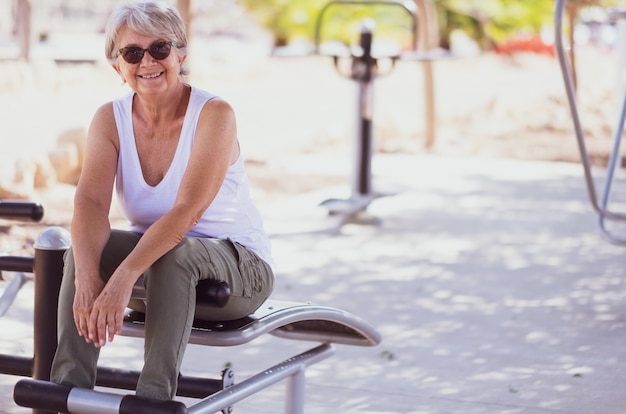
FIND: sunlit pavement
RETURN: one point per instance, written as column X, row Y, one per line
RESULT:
column 488, row 280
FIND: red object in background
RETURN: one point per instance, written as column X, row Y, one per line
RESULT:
column 531, row 44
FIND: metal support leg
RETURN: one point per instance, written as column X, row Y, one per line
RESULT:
column 50, row 246
column 294, row 403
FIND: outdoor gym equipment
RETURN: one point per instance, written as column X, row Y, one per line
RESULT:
column 364, row 70
column 288, row 320
column 600, row 205
column 19, row 265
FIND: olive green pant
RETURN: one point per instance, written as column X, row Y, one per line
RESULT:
column 170, row 306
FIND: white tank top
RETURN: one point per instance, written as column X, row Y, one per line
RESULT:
column 231, row 215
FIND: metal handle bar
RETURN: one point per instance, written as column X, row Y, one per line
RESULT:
column 20, row 210
column 616, row 14
column 16, row 264
column 600, row 208
column 10, row 292
column 408, row 6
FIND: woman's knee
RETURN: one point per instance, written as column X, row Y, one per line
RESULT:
column 119, row 245
column 174, row 267
column 188, row 258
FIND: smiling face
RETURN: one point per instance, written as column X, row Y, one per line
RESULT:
column 149, row 76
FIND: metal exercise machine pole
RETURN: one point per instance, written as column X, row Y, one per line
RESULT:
column 50, row 247
column 364, row 70
column 599, row 207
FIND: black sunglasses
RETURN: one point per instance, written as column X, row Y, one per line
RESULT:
column 158, row 50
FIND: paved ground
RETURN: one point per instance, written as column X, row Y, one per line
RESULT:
column 487, row 279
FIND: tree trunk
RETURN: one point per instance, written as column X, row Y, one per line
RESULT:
column 184, row 7
column 23, row 25
column 427, row 36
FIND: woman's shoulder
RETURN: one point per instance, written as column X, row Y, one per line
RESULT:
column 205, row 96
column 200, row 93
column 206, row 101
column 125, row 98
column 103, row 124
column 105, row 111
column 106, row 115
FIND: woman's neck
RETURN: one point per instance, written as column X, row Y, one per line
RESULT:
column 162, row 108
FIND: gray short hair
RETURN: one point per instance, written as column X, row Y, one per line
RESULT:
column 157, row 18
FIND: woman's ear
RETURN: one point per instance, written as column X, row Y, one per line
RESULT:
column 181, row 61
column 119, row 72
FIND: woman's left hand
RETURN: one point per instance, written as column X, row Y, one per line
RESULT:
column 107, row 314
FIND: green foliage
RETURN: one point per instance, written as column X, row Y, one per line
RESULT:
column 501, row 19
column 289, row 19
column 505, row 16
column 487, row 21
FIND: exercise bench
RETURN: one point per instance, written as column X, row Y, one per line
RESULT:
column 289, row 320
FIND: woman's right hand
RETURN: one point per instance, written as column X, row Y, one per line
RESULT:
column 87, row 290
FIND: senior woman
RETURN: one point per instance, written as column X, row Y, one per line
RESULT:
column 172, row 153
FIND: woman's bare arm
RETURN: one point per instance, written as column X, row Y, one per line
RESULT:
column 90, row 226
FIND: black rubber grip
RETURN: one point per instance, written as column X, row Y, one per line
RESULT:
column 133, row 404
column 16, row 365
column 21, row 210
column 212, row 292
column 17, row 264
column 41, row 395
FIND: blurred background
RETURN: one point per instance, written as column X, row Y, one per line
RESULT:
column 493, row 25
column 492, row 89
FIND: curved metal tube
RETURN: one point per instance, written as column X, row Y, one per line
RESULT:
column 286, row 320
column 600, row 208
column 408, row 6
